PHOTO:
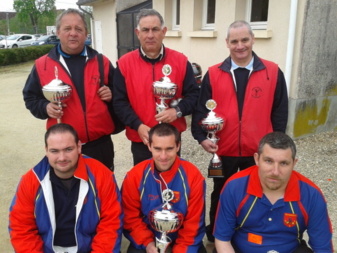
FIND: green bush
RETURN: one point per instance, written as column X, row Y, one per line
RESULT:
column 19, row 55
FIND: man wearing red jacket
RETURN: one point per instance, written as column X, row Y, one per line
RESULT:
column 67, row 203
column 77, row 65
column 134, row 101
column 148, row 185
column 251, row 96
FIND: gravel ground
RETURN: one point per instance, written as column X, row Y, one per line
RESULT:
column 21, row 147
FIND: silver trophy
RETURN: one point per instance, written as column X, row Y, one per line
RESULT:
column 164, row 89
column 212, row 124
column 165, row 220
column 57, row 92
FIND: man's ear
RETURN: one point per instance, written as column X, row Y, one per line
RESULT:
column 79, row 147
column 256, row 158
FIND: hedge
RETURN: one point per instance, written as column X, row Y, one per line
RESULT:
column 18, row 55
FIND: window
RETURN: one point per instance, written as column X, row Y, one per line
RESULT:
column 209, row 14
column 258, row 13
column 176, row 15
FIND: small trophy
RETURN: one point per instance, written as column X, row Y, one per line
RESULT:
column 165, row 220
column 57, row 91
column 212, row 124
column 164, row 89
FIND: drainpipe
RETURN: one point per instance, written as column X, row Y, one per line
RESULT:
column 291, row 42
column 91, row 23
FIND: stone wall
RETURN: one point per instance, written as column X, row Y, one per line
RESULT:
column 314, row 109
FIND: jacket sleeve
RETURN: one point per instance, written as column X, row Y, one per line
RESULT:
column 319, row 225
column 23, row 230
column 192, row 231
column 190, row 92
column 109, row 230
column 201, row 111
column 34, row 99
column 122, row 104
column 135, row 229
column 279, row 115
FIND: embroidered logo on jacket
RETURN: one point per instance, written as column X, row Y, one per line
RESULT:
column 289, row 219
column 176, row 197
column 256, row 92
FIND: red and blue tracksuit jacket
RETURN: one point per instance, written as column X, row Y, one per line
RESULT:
column 247, row 218
column 99, row 215
column 141, row 193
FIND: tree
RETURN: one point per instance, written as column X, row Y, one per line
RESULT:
column 33, row 10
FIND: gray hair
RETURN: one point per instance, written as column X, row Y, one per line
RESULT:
column 277, row 140
column 240, row 23
column 149, row 12
column 70, row 11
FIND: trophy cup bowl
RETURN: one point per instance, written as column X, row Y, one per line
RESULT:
column 164, row 90
column 212, row 124
column 165, row 221
column 57, row 91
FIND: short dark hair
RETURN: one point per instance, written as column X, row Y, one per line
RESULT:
column 149, row 12
column 164, row 129
column 278, row 140
column 60, row 128
column 70, row 11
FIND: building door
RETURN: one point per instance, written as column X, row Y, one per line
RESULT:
column 126, row 23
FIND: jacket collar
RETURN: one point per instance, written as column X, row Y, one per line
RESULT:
column 257, row 65
column 169, row 174
column 43, row 167
column 292, row 192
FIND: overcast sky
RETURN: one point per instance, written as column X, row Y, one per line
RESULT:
column 7, row 5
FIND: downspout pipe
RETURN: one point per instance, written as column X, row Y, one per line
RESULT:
column 80, row 7
column 91, row 23
column 291, row 42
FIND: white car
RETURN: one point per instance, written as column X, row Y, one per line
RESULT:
column 17, row 40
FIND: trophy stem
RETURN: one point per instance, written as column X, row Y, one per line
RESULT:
column 59, row 103
column 163, row 242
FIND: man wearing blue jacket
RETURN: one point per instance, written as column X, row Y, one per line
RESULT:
column 268, row 207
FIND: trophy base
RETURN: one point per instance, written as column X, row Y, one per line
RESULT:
column 215, row 173
column 215, row 169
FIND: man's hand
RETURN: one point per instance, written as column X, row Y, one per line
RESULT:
column 105, row 93
column 223, row 247
column 167, row 116
column 209, row 146
column 151, row 248
column 143, row 131
column 54, row 111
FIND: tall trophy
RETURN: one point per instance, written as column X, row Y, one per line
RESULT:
column 212, row 124
column 164, row 89
column 57, row 91
column 165, row 220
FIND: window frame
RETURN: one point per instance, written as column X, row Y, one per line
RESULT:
column 260, row 25
column 175, row 26
column 205, row 25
